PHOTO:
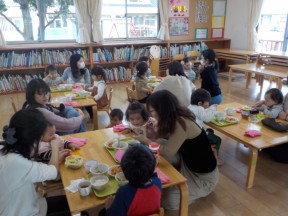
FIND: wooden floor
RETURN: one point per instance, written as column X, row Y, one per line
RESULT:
column 269, row 196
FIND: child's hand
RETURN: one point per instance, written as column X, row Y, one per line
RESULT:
column 143, row 139
column 57, row 142
column 73, row 146
column 259, row 103
column 63, row 154
column 108, row 202
column 126, row 131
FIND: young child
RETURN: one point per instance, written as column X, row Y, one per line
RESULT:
column 142, row 59
column 45, row 151
column 272, row 105
column 187, row 65
column 52, row 79
column 208, row 73
column 139, row 121
column 142, row 195
column 143, row 91
column 116, row 118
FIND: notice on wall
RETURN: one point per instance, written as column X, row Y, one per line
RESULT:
column 218, row 22
column 219, row 8
column 178, row 26
column 201, row 33
column 217, row 33
column 178, row 8
column 201, row 15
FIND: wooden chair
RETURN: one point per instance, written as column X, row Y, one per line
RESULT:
column 154, row 66
column 49, row 187
column 13, row 104
column 131, row 94
column 193, row 54
column 161, row 213
column 108, row 107
column 178, row 57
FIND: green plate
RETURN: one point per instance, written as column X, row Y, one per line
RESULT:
column 77, row 97
column 112, row 151
column 110, row 189
column 60, row 90
column 222, row 123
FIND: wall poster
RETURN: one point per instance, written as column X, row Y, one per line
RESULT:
column 178, row 26
column 178, row 8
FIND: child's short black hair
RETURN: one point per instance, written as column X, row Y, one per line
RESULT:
column 186, row 59
column 143, row 58
column 96, row 71
column 137, row 107
column 275, row 94
column 50, row 68
column 200, row 95
column 138, row 164
column 118, row 113
column 141, row 68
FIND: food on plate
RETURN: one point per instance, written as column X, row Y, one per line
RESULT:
column 231, row 119
column 114, row 170
column 74, row 161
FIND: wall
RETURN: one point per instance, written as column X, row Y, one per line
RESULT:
column 236, row 23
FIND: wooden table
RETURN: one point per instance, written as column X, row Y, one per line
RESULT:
column 277, row 73
column 87, row 102
column 239, row 55
column 94, row 149
column 268, row 138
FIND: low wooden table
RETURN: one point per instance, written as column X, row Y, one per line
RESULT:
column 277, row 73
column 239, row 55
column 87, row 102
column 268, row 138
column 94, row 149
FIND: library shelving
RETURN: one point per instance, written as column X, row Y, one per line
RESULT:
column 22, row 62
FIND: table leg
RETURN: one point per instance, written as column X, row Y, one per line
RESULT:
column 95, row 117
column 229, row 78
column 279, row 83
column 248, row 80
column 252, row 167
column 183, row 198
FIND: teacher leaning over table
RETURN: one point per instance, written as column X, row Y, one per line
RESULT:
column 184, row 144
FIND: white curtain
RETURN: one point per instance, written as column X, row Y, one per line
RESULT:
column 2, row 39
column 163, row 33
column 84, row 21
column 255, row 7
column 95, row 9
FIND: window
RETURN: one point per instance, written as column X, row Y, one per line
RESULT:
column 57, row 23
column 129, row 18
column 272, row 26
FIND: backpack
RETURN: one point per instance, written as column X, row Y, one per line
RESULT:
column 277, row 126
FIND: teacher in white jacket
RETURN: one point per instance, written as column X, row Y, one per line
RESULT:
column 177, row 83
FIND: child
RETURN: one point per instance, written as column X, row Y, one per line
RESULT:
column 200, row 100
column 142, row 195
column 99, row 87
column 284, row 114
column 208, row 73
column 116, row 117
column 44, row 152
column 142, row 59
column 52, row 79
column 187, row 65
column 142, row 89
column 138, row 120
column 272, row 105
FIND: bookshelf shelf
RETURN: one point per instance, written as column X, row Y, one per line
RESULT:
column 20, row 63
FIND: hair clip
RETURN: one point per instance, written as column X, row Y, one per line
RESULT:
column 9, row 135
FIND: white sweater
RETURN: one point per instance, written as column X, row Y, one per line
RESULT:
column 180, row 86
column 17, row 192
column 202, row 115
column 101, row 85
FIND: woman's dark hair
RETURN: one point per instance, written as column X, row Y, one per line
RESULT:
column 51, row 68
column 143, row 58
column 35, row 86
column 137, row 107
column 29, row 126
column 176, row 68
column 98, row 71
column 118, row 113
column 141, row 68
column 169, row 112
column 275, row 94
column 138, row 164
column 200, row 95
column 73, row 64
column 210, row 55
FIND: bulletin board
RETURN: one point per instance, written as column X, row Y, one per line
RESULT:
column 179, row 26
column 178, row 8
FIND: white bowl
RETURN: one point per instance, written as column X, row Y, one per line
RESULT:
column 100, row 169
column 121, row 179
column 90, row 163
column 99, row 182
column 220, row 116
column 113, row 170
column 120, row 145
column 74, row 161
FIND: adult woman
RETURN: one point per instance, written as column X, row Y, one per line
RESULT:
column 76, row 73
column 185, row 145
column 177, row 83
column 18, row 172
column 38, row 96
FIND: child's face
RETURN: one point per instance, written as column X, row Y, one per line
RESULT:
column 97, row 78
column 204, row 104
column 49, row 134
column 115, row 120
column 53, row 74
column 187, row 65
column 136, row 119
column 42, row 98
column 268, row 101
column 147, row 62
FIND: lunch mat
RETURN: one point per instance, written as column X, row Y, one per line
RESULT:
column 60, row 90
column 222, row 123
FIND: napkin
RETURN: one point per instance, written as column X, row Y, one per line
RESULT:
column 164, row 179
column 119, row 128
column 119, row 154
column 78, row 141
column 77, row 87
column 252, row 133
column 73, row 187
column 71, row 103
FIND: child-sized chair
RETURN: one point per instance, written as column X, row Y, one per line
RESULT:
column 107, row 108
column 161, row 213
column 131, row 94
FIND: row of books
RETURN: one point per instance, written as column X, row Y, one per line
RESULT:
column 185, row 48
column 15, row 83
column 118, row 74
column 58, row 57
column 12, row 59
